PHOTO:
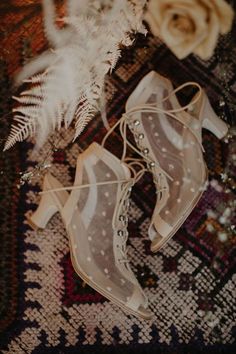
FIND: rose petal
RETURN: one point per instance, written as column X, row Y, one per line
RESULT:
column 182, row 44
column 155, row 9
column 224, row 12
column 206, row 48
column 155, row 28
column 210, row 17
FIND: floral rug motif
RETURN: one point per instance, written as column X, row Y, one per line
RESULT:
column 191, row 283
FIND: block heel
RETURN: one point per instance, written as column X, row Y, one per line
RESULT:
column 45, row 211
column 212, row 122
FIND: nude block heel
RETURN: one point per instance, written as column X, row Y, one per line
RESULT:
column 45, row 211
column 212, row 122
column 48, row 204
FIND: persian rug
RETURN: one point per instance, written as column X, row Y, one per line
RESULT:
column 44, row 306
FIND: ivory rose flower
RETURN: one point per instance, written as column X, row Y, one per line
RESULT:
column 188, row 26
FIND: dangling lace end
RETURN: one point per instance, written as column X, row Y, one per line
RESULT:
column 103, row 111
column 104, row 119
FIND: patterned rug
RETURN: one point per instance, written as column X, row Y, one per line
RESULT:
column 44, row 306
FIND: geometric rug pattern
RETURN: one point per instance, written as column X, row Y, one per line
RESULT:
column 191, row 283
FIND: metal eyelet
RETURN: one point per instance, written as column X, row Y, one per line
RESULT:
column 151, row 164
column 122, row 218
column 141, row 136
column 127, row 203
column 145, row 151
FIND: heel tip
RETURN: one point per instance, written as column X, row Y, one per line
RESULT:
column 33, row 225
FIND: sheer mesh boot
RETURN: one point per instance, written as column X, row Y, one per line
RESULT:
column 95, row 218
column 169, row 138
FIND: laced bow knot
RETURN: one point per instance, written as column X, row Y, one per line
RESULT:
column 154, row 108
column 126, row 118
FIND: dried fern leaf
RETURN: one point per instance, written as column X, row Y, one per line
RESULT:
column 67, row 82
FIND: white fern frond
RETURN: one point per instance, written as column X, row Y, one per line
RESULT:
column 36, row 79
column 28, row 100
column 20, row 132
column 85, row 114
column 113, row 56
column 66, row 83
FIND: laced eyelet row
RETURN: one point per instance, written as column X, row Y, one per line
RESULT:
column 134, row 126
column 138, row 138
column 122, row 232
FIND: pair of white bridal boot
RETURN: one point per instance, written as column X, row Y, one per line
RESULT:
column 94, row 210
